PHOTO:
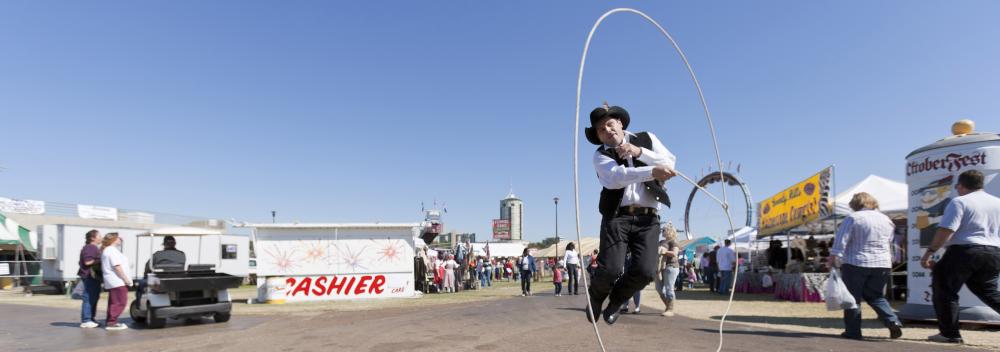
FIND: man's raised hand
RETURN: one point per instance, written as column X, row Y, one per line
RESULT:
column 663, row 173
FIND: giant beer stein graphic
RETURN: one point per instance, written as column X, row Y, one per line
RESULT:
column 931, row 174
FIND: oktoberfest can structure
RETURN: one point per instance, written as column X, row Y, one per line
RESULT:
column 316, row 262
column 931, row 174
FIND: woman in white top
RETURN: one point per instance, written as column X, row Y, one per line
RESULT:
column 117, row 279
column 449, row 273
column 572, row 260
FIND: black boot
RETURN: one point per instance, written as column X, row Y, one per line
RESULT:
column 612, row 312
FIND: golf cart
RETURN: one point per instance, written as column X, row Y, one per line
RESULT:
column 172, row 292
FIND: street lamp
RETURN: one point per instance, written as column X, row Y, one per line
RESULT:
column 556, row 200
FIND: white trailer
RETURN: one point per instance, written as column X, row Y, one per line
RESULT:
column 61, row 244
column 60, row 247
column 230, row 254
column 309, row 262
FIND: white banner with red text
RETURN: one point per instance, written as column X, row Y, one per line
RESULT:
column 337, row 287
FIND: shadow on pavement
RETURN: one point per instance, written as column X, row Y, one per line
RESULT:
column 771, row 333
column 797, row 321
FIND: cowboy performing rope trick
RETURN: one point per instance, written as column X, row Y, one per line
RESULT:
column 632, row 168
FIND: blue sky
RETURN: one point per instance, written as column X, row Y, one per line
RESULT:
column 360, row 111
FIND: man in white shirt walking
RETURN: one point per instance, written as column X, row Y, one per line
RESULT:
column 726, row 258
column 632, row 168
column 970, row 229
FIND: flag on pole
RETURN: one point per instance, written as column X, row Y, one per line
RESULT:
column 487, row 250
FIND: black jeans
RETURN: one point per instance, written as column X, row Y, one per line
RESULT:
column 525, row 281
column 866, row 284
column 620, row 235
column 573, row 285
column 974, row 266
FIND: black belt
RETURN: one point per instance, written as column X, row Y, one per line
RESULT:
column 636, row 210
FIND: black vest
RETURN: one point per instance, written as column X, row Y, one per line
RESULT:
column 612, row 198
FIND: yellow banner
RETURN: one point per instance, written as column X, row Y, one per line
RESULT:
column 806, row 201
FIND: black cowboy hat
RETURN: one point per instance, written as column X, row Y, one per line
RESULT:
column 615, row 112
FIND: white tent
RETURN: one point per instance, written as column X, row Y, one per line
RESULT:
column 744, row 237
column 891, row 196
column 588, row 245
column 499, row 249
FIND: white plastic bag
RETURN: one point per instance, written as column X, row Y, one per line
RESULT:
column 78, row 290
column 836, row 294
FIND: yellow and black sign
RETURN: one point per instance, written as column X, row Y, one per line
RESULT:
column 806, row 201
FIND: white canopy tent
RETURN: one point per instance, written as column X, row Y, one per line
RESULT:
column 891, row 196
column 499, row 249
column 744, row 237
column 588, row 245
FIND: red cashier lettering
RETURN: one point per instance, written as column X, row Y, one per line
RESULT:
column 335, row 285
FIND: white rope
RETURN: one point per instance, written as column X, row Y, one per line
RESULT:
column 576, row 151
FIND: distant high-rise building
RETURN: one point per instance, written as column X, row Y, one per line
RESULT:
column 512, row 208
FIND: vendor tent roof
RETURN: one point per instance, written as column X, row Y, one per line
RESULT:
column 891, row 196
column 12, row 234
column 744, row 237
column 587, row 246
column 499, row 249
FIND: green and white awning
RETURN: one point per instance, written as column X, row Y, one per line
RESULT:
column 12, row 234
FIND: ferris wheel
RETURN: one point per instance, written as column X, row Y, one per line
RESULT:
column 715, row 177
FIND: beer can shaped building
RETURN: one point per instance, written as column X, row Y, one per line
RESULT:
column 931, row 174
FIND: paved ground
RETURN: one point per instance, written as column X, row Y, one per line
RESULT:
column 518, row 323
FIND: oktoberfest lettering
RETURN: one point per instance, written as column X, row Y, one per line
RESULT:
column 952, row 162
column 335, row 285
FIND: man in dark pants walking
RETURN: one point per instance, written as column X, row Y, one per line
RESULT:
column 631, row 167
column 970, row 228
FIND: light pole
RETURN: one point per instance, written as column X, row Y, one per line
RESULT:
column 556, row 200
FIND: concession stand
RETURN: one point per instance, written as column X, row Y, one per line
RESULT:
column 316, row 262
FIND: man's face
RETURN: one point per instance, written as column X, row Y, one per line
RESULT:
column 609, row 131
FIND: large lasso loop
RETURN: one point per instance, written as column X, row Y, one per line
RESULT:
column 724, row 202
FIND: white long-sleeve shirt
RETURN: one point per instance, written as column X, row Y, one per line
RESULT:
column 865, row 239
column 630, row 177
column 571, row 258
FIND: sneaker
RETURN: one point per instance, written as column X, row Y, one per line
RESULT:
column 89, row 325
column 119, row 326
column 636, row 311
column 942, row 339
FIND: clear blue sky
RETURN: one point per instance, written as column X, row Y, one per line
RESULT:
column 359, row 111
